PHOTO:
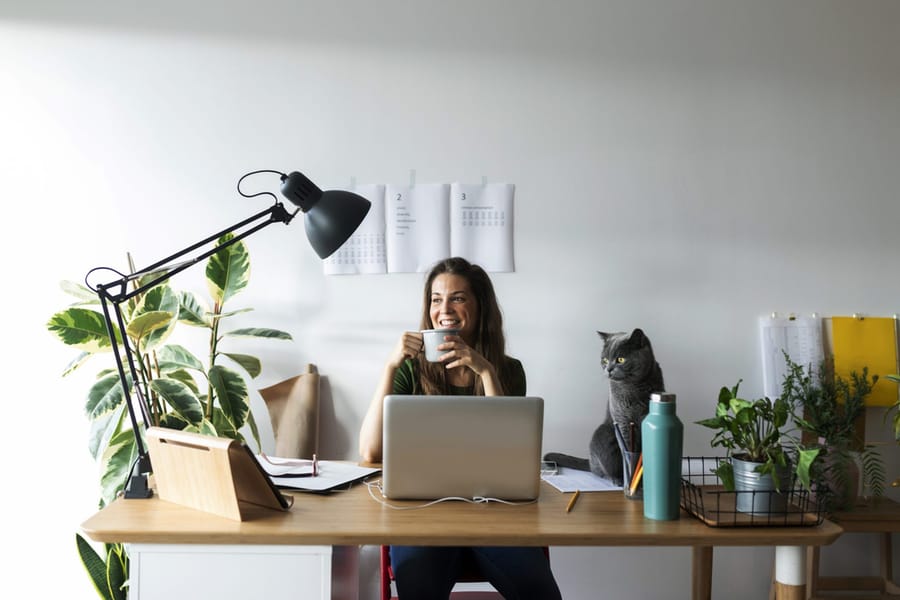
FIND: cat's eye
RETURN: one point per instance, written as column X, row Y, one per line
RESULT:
column 605, row 361
column 620, row 360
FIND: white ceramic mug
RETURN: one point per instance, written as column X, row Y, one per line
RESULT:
column 434, row 338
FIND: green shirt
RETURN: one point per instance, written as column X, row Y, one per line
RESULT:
column 406, row 381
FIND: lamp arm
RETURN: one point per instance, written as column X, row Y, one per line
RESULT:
column 275, row 213
column 116, row 292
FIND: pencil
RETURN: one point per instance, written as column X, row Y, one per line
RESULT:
column 638, row 468
column 573, row 500
column 636, row 479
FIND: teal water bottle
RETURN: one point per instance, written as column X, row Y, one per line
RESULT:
column 662, row 436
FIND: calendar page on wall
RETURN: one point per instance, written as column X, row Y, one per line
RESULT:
column 411, row 227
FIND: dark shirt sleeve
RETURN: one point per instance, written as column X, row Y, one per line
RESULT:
column 517, row 384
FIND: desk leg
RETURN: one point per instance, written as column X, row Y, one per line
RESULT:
column 790, row 572
column 701, row 577
column 887, row 565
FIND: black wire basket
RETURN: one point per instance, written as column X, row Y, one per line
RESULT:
column 704, row 496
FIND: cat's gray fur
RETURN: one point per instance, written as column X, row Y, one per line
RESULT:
column 633, row 375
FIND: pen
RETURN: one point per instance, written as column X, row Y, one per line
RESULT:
column 573, row 500
column 620, row 438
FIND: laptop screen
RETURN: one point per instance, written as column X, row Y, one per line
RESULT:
column 462, row 446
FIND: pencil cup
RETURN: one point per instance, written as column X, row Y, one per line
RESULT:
column 634, row 490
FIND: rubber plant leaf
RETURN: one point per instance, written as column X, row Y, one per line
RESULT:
column 116, row 465
column 260, row 332
column 160, row 298
column 227, row 271
column 251, row 364
column 231, row 391
column 192, row 311
column 82, row 328
column 180, row 397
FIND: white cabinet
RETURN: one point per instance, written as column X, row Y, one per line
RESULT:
column 241, row 572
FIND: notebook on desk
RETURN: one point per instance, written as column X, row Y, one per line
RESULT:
column 462, row 446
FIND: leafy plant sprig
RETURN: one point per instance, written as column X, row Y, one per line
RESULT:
column 754, row 431
column 827, row 407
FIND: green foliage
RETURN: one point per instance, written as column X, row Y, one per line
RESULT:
column 894, row 409
column 873, row 470
column 181, row 390
column 827, row 407
column 109, row 576
column 756, row 431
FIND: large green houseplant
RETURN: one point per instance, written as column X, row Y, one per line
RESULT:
column 826, row 409
column 183, row 392
column 759, row 433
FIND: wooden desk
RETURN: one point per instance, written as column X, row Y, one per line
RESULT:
column 880, row 516
column 353, row 518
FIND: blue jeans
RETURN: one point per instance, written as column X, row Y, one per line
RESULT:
column 429, row 572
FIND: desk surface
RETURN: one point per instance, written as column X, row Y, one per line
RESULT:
column 354, row 518
column 873, row 515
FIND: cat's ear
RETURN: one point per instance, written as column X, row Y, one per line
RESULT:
column 603, row 335
column 638, row 336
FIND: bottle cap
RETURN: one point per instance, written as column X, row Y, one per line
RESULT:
column 664, row 397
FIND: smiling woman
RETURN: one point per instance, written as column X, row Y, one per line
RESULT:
column 459, row 295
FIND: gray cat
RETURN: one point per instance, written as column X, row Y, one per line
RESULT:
column 633, row 375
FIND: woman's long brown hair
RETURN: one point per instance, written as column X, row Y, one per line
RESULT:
column 489, row 340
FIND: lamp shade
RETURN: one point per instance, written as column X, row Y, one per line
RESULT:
column 331, row 217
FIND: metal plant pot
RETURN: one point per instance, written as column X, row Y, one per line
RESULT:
column 755, row 493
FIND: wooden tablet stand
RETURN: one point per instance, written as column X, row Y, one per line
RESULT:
column 212, row 474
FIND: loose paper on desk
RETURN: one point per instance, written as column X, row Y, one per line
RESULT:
column 800, row 337
column 572, row 480
column 332, row 474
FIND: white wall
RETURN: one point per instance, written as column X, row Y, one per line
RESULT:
column 683, row 166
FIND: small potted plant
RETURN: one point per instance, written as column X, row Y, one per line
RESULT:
column 826, row 409
column 758, row 443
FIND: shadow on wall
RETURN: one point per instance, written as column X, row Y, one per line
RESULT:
column 335, row 442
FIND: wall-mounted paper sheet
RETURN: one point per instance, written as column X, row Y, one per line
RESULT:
column 800, row 337
column 418, row 226
column 481, row 224
column 867, row 342
column 364, row 252
column 411, row 227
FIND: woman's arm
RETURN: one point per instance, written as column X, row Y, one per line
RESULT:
column 370, row 434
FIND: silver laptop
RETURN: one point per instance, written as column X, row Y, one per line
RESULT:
column 462, row 446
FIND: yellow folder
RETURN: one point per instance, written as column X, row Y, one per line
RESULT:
column 867, row 342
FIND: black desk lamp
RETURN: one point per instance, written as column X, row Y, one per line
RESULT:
column 331, row 218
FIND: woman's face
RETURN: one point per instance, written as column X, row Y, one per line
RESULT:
column 453, row 305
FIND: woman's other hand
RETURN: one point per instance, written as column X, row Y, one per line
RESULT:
column 459, row 354
column 409, row 346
